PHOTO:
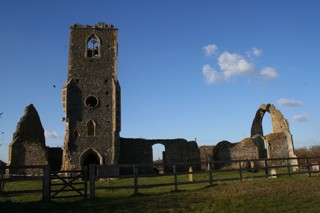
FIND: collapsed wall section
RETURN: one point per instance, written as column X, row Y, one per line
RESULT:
column 28, row 144
column 244, row 150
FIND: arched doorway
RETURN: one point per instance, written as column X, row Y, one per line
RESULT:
column 90, row 156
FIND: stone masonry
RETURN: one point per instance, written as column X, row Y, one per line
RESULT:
column 91, row 97
column 92, row 105
column 278, row 144
column 28, row 143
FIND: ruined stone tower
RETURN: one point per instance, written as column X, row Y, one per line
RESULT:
column 91, row 97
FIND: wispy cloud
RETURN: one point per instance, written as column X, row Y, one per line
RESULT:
column 233, row 64
column 210, row 49
column 254, row 52
column 268, row 73
column 210, row 74
column 52, row 134
column 289, row 102
column 301, row 118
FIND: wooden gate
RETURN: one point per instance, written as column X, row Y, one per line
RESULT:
column 67, row 184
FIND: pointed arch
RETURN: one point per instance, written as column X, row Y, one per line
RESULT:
column 93, row 47
column 90, row 156
column 91, row 128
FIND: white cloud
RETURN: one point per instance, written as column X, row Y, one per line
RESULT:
column 288, row 102
column 254, row 52
column 269, row 73
column 232, row 64
column 52, row 134
column 300, row 118
column 210, row 74
column 210, row 49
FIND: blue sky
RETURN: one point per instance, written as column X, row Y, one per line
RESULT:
column 187, row 69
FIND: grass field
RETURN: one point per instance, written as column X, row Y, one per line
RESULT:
column 296, row 194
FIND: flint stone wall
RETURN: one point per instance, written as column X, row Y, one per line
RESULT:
column 248, row 148
column 28, row 144
column 139, row 151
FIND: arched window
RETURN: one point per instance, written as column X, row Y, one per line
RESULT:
column 93, row 47
column 91, row 128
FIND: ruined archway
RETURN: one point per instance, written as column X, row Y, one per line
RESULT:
column 279, row 143
column 278, row 122
column 158, row 151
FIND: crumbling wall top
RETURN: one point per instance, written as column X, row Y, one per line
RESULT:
column 100, row 25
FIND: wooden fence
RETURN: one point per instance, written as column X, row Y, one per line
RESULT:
column 240, row 169
column 61, row 184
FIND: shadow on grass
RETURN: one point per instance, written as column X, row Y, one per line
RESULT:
column 98, row 204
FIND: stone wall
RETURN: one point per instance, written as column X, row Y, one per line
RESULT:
column 139, row 151
column 243, row 150
column 206, row 153
column 91, row 97
column 28, row 143
column 278, row 144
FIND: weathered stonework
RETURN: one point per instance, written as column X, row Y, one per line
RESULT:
column 278, row 144
column 139, row 151
column 246, row 149
column 91, row 97
column 28, row 143
column 92, row 106
column 206, row 153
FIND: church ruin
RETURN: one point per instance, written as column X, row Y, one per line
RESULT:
column 278, row 144
column 92, row 105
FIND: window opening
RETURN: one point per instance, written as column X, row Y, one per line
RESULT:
column 93, row 47
column 91, row 128
column 91, row 102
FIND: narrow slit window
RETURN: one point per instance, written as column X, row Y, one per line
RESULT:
column 91, row 128
column 93, row 47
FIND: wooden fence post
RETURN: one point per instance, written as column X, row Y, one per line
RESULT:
column 308, row 166
column 135, row 180
column 266, row 167
column 85, row 178
column 288, row 166
column 92, row 181
column 210, row 174
column 46, row 183
column 175, row 178
column 240, row 170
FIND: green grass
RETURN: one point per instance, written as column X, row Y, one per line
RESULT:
column 299, row 193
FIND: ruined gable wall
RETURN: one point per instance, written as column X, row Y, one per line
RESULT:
column 28, row 145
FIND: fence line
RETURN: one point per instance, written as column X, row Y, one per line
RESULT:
column 291, row 166
column 229, row 170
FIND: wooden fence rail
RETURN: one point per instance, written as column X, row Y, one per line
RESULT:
column 287, row 167
column 67, row 181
